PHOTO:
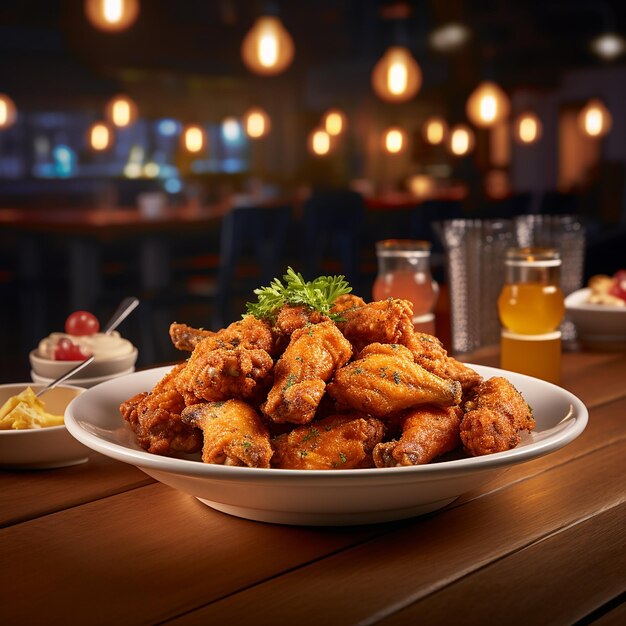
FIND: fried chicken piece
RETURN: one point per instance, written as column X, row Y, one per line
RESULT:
column 215, row 374
column 493, row 418
column 427, row 432
column 429, row 352
column 233, row 433
column 155, row 418
column 313, row 355
column 186, row 337
column 385, row 379
column 335, row 442
column 384, row 321
column 290, row 318
column 345, row 302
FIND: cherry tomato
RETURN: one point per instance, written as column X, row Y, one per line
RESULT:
column 66, row 350
column 618, row 288
column 82, row 323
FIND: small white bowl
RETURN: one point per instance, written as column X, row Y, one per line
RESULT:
column 41, row 448
column 51, row 369
column 77, row 381
column 596, row 323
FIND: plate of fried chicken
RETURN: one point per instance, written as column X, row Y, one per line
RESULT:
column 323, row 414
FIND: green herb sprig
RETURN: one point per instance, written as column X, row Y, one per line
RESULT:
column 318, row 294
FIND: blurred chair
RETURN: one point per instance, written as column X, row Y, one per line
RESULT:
column 559, row 203
column 253, row 243
column 332, row 229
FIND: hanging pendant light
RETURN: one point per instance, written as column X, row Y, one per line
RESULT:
column 319, row 142
column 268, row 48
column 8, row 112
column 487, row 105
column 334, row 122
column 396, row 77
column 595, row 119
column 527, row 128
column 256, row 123
column 99, row 136
column 121, row 111
column 461, row 140
column 395, row 140
column 194, row 138
column 435, row 130
column 112, row 15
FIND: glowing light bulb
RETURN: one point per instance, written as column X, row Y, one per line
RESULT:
column 112, row 15
column 121, row 111
column 99, row 136
column 396, row 77
column 256, row 123
column 267, row 48
column 527, row 128
column 8, row 113
column 595, row 119
column 194, row 139
column 394, row 140
column 487, row 105
column 319, row 142
column 461, row 140
column 435, row 130
column 334, row 122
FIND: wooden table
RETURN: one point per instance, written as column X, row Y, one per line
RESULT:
column 544, row 543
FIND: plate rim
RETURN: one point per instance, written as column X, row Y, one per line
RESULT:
column 575, row 423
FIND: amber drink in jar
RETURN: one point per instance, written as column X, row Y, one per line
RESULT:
column 531, row 307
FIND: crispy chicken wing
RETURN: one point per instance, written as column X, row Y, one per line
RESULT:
column 384, row 321
column 346, row 302
column 313, row 355
column 335, row 442
column 186, row 337
column 155, row 418
column 215, row 374
column 385, row 379
column 233, row 433
column 493, row 418
column 427, row 432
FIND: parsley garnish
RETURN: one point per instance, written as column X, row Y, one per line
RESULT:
column 318, row 294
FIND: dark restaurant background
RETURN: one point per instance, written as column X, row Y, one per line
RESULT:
column 180, row 62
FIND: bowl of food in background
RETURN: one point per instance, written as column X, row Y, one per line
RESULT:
column 59, row 352
column 599, row 310
column 32, row 429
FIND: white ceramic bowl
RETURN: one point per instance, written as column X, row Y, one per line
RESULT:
column 98, row 368
column 598, row 323
column 41, row 448
column 78, row 381
column 318, row 497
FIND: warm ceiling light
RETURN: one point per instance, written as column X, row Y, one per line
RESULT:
column 112, row 15
column 194, row 138
column 319, row 142
column 397, row 76
column 527, row 128
column 487, row 105
column 8, row 112
column 449, row 37
column 256, row 123
column 421, row 185
column 595, row 119
column 231, row 130
column 334, row 122
column 608, row 46
column 394, row 140
column 435, row 129
column 267, row 48
column 121, row 111
column 99, row 136
column 461, row 140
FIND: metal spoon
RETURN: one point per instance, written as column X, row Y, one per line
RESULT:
column 121, row 313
